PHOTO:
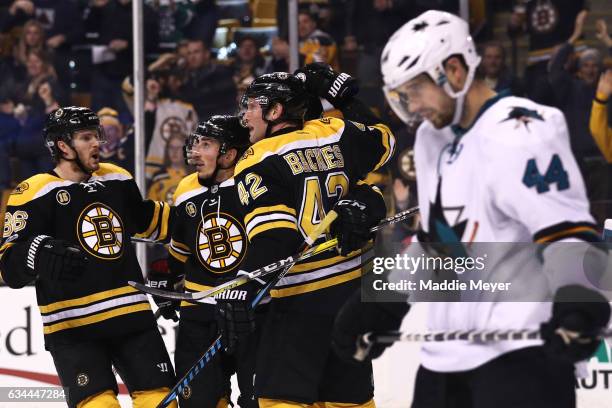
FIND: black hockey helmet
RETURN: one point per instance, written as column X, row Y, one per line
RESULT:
column 63, row 122
column 279, row 87
column 227, row 129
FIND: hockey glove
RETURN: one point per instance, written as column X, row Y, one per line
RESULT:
column 234, row 314
column 321, row 80
column 357, row 318
column 54, row 259
column 357, row 213
column 579, row 315
column 160, row 277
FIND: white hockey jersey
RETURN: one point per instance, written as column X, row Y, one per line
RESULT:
column 510, row 177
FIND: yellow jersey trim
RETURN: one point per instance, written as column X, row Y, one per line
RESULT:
column 270, row 209
column 63, row 304
column 312, row 130
column 311, row 287
column 271, row 225
column 187, row 184
column 27, row 190
column 83, row 321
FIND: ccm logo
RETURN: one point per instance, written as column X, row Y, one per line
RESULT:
column 333, row 91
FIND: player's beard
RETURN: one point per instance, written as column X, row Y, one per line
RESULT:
column 444, row 116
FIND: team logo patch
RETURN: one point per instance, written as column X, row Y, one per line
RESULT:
column 187, row 393
column 247, row 153
column 82, row 379
column 191, row 209
column 62, row 197
column 221, row 242
column 21, row 188
column 100, row 231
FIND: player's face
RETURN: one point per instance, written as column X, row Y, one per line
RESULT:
column 420, row 97
column 204, row 154
column 254, row 121
column 86, row 144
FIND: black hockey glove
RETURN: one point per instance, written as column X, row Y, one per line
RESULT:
column 54, row 259
column 160, row 277
column 357, row 318
column 321, row 80
column 579, row 315
column 357, row 213
column 234, row 314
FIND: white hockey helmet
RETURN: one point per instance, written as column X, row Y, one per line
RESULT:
column 421, row 46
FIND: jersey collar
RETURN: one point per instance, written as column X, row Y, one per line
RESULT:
column 459, row 131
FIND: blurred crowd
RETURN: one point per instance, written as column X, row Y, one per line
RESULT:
column 201, row 55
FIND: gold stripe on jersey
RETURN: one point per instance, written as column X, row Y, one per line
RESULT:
column 154, row 221
column 188, row 184
column 164, row 222
column 315, row 133
column 95, row 297
column 109, row 168
column 281, row 208
column 32, row 188
column 196, row 287
column 179, row 257
column 311, row 266
column 321, row 284
column 271, row 225
column 570, row 232
column 4, row 247
column 387, row 141
column 98, row 317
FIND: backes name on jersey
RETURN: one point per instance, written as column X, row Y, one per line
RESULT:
column 314, row 159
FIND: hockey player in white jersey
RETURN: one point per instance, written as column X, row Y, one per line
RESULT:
column 490, row 168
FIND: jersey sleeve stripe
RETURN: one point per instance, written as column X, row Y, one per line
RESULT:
column 96, row 317
column 271, row 225
column 154, row 222
column 176, row 255
column 261, row 219
column 180, row 247
column 53, row 307
column 165, row 219
column 270, row 209
column 196, row 287
column 321, row 284
column 4, row 247
column 388, row 142
column 582, row 230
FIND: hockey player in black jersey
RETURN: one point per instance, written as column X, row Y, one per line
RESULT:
column 208, row 244
column 295, row 172
column 68, row 232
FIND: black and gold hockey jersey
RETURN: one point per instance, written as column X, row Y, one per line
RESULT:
column 288, row 182
column 99, row 216
column 208, row 239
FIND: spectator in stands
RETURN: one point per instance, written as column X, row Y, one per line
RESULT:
column 210, row 86
column 574, row 94
column 548, row 24
column 119, row 146
column 112, row 20
column 40, row 95
column 9, row 129
column 173, row 17
column 599, row 122
column 315, row 45
column 18, row 12
column 32, row 38
column 173, row 170
column 204, row 22
column 496, row 74
column 249, row 63
column 370, row 24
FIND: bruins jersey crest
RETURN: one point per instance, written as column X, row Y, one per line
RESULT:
column 221, row 242
column 100, row 231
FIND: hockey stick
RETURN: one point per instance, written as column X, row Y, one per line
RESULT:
column 366, row 341
column 268, row 269
column 216, row 345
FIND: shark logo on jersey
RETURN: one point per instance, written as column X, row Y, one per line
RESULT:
column 440, row 230
column 100, row 231
column 221, row 242
column 522, row 116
